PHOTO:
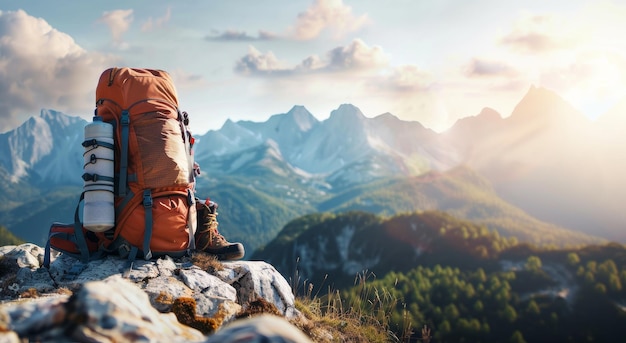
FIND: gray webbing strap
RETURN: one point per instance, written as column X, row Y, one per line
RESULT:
column 191, row 220
column 125, row 122
column 147, row 205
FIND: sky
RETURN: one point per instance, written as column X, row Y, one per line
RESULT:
column 427, row 61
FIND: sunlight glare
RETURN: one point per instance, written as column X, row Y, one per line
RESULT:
column 599, row 90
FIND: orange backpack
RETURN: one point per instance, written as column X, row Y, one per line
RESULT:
column 155, row 211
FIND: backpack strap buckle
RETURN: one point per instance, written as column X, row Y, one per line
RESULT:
column 147, row 199
column 125, row 118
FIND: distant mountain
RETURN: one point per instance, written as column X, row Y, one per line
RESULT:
column 287, row 130
column 542, row 128
column 460, row 192
column 551, row 161
column 545, row 160
column 44, row 148
column 346, row 140
column 31, row 220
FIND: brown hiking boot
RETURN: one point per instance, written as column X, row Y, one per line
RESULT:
column 208, row 238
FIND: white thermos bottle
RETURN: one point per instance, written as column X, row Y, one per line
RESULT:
column 98, row 169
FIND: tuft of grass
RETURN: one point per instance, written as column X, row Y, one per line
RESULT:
column 328, row 318
column 333, row 324
column 30, row 293
column 206, row 262
column 164, row 298
column 258, row 306
column 64, row 291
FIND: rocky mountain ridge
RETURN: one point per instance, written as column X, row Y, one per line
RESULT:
column 545, row 158
column 113, row 300
column 347, row 244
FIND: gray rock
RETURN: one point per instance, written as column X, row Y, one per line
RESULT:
column 257, row 279
column 35, row 315
column 9, row 337
column 210, row 293
column 113, row 300
column 260, row 329
column 114, row 310
column 26, row 255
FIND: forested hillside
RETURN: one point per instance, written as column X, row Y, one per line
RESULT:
column 463, row 281
column 543, row 299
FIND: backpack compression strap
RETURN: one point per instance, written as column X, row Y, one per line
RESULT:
column 78, row 238
column 147, row 235
column 130, row 249
column 125, row 122
column 192, row 223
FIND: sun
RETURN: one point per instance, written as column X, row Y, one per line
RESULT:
column 599, row 83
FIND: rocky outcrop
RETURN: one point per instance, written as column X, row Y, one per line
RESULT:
column 114, row 300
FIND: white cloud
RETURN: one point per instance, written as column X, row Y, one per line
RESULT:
column 257, row 63
column 236, row 35
column 330, row 15
column 480, row 67
column 185, row 80
column 356, row 73
column 579, row 56
column 118, row 22
column 356, row 57
column 542, row 33
column 155, row 23
column 407, row 78
column 41, row 67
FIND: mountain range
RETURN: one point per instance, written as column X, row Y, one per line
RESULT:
column 545, row 162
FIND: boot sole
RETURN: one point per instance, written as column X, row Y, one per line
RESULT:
column 232, row 252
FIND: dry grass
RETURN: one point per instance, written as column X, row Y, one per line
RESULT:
column 30, row 293
column 64, row 291
column 258, row 306
column 206, row 262
column 164, row 298
column 330, row 319
column 329, row 324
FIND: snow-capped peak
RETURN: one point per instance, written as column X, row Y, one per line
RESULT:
column 49, row 145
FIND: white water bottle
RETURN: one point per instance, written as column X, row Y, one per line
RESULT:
column 98, row 209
